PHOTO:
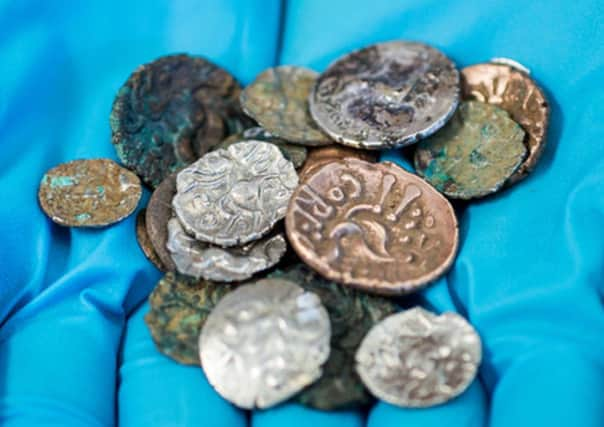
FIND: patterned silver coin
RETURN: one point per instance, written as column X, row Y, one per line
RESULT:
column 418, row 359
column 386, row 95
column 264, row 342
column 233, row 196
column 199, row 259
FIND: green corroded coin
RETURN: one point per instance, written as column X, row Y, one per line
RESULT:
column 179, row 307
column 474, row 154
column 351, row 313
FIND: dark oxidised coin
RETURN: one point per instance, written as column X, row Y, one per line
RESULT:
column 159, row 212
column 474, row 155
column 142, row 237
column 320, row 156
column 161, row 108
column 209, row 134
column 373, row 226
column 518, row 94
column 352, row 314
column 278, row 100
column 179, row 308
column 386, row 95
column 89, row 193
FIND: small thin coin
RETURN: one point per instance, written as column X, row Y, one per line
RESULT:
column 144, row 242
column 234, row 196
column 271, row 336
column 89, row 193
column 198, row 259
column 351, row 313
column 373, row 226
column 278, row 100
column 416, row 359
column 386, row 95
column 517, row 93
column 161, row 108
column 209, row 134
column 320, row 156
column 179, row 307
column 474, row 155
column 159, row 212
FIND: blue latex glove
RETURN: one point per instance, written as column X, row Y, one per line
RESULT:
column 73, row 346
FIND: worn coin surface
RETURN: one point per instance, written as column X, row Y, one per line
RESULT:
column 179, row 307
column 271, row 336
column 386, row 95
column 518, row 94
column 199, row 259
column 209, row 134
column 319, row 156
column 373, row 226
column 474, row 155
column 231, row 197
column 89, row 193
column 278, row 100
column 159, row 212
column 418, row 359
column 144, row 242
column 159, row 111
column 351, row 313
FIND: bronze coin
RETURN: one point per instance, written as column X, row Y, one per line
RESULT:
column 517, row 93
column 144, row 242
column 159, row 212
column 373, row 226
column 209, row 134
column 319, row 156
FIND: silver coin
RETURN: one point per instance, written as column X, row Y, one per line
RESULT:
column 264, row 342
column 199, row 259
column 233, row 196
column 386, row 95
column 418, row 359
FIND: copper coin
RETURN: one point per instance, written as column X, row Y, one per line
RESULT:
column 514, row 91
column 159, row 212
column 373, row 226
column 319, row 156
column 144, row 242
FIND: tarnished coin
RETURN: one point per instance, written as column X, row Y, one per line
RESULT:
column 179, row 307
column 264, row 342
column 519, row 95
column 418, row 359
column 198, row 259
column 159, row 212
column 210, row 133
column 474, row 155
column 386, row 95
column 144, row 242
column 162, row 107
column 373, row 226
column 231, row 197
column 320, row 156
column 89, row 193
column 351, row 313
column 278, row 100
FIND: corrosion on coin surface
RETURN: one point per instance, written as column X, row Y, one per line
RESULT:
column 373, row 226
column 351, row 313
column 144, row 242
column 474, row 154
column 159, row 111
column 319, row 156
column 418, row 359
column 158, row 213
column 210, row 133
column 278, row 101
column 179, row 307
column 234, row 196
column 89, row 193
column 518, row 94
column 271, row 336
column 386, row 95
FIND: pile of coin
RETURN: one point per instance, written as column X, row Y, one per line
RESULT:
column 283, row 240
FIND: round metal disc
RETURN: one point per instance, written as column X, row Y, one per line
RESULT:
column 209, row 134
column 320, row 156
column 144, row 241
column 158, row 213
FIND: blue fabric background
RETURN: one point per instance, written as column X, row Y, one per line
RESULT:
column 73, row 346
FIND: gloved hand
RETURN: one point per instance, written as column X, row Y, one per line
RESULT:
column 74, row 349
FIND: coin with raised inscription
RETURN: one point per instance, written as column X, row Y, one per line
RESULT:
column 373, row 226
column 386, row 95
column 419, row 359
column 278, row 101
column 234, row 196
column 158, row 213
column 351, row 313
column 517, row 93
column 319, row 156
column 144, row 242
column 271, row 336
column 474, row 154
column 179, row 307
column 199, row 259
column 161, row 108
column 89, row 193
